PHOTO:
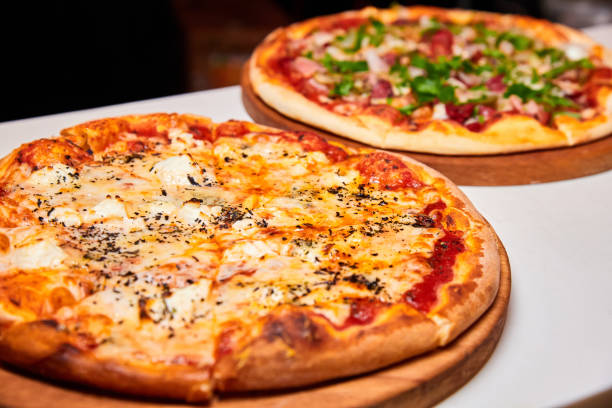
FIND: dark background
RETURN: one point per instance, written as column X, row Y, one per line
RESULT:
column 59, row 56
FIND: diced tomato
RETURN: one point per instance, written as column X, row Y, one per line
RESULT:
column 475, row 126
column 382, row 89
column 459, row 113
column 306, row 67
column 496, row 84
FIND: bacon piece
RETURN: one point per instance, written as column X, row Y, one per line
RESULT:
column 388, row 171
column 537, row 112
column 375, row 63
column 459, row 113
column 382, row 89
column 306, row 67
column 516, row 103
column 231, row 128
column 496, row 84
column 441, row 43
column 312, row 142
column 468, row 79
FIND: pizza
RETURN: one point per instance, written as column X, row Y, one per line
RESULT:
column 166, row 255
column 439, row 81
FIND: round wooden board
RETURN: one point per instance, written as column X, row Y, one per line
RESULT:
column 540, row 166
column 418, row 382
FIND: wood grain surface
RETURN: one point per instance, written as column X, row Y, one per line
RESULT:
column 492, row 170
column 418, row 382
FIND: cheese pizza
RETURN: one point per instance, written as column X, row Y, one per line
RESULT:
column 166, row 255
column 440, row 81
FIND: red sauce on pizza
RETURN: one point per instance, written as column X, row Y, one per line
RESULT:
column 438, row 205
column 231, row 129
column 425, row 293
column 201, row 132
column 312, row 142
column 388, row 171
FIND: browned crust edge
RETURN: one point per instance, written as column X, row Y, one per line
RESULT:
column 42, row 347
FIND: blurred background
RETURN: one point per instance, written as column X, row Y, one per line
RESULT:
column 66, row 55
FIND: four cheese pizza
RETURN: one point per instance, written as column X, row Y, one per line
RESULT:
column 167, row 255
column 439, row 81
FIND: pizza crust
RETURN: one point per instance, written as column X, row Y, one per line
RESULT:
column 41, row 347
column 511, row 133
column 289, row 346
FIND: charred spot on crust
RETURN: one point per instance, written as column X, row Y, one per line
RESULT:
column 50, row 323
column 423, row 221
column 292, row 329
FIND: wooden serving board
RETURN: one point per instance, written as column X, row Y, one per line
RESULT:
column 418, row 382
column 540, row 166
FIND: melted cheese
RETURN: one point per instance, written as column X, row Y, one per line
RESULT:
column 181, row 171
column 41, row 254
column 271, row 225
column 57, row 175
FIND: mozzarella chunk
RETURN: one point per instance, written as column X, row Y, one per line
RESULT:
column 107, row 208
column 181, row 140
column 118, row 303
column 197, row 214
column 182, row 305
column 439, row 112
column 42, row 254
column 335, row 178
column 66, row 216
column 58, row 174
column 180, row 171
column 247, row 251
column 159, row 207
column 575, row 52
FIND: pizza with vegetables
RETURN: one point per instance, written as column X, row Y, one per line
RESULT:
column 439, row 81
column 166, row 255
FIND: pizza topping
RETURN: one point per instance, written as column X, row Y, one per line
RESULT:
column 425, row 294
column 182, row 171
column 40, row 254
column 363, row 311
column 183, row 239
column 387, row 171
column 414, row 66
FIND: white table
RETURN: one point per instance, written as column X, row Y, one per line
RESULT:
column 557, row 344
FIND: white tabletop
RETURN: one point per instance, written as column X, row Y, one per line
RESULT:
column 557, row 344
